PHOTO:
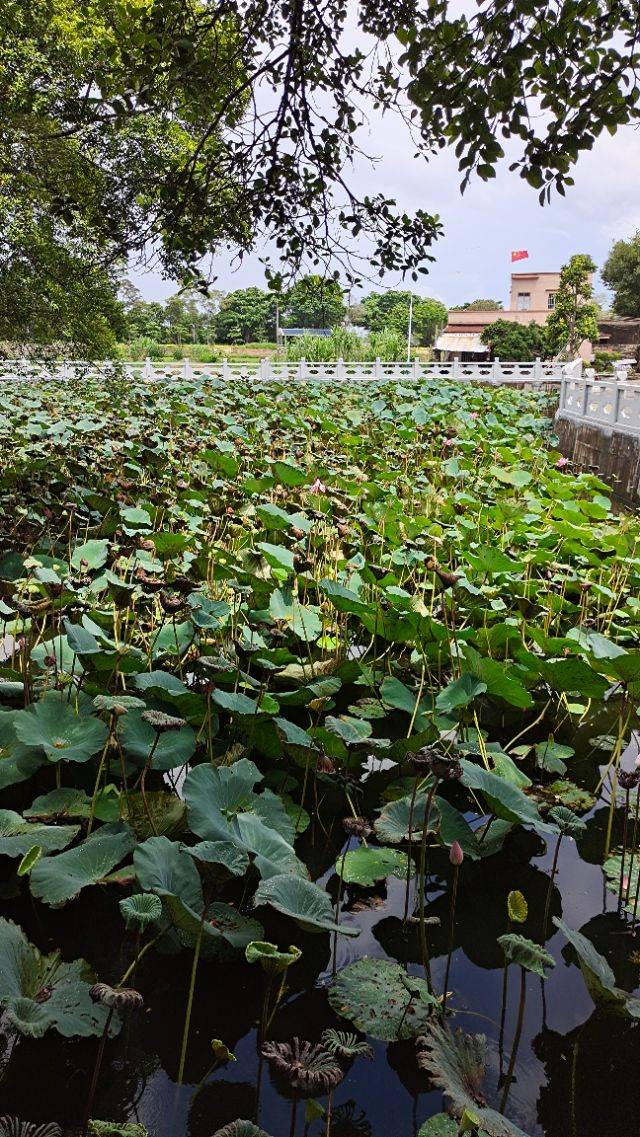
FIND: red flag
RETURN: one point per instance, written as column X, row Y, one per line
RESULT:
column 519, row 255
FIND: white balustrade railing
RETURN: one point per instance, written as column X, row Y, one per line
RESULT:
column 602, row 400
column 494, row 372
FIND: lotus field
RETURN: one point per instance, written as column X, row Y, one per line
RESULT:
column 317, row 764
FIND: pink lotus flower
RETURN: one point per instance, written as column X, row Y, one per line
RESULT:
column 561, row 463
column 456, row 856
column 318, row 487
column 449, row 441
column 474, row 414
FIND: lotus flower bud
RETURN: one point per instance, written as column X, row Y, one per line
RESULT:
column 456, row 856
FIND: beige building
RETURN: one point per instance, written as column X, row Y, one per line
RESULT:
column 531, row 299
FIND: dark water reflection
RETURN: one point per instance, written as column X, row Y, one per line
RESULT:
column 576, row 1074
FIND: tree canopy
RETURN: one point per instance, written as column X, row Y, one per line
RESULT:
column 621, row 273
column 314, row 302
column 479, row 306
column 513, row 342
column 390, row 310
column 179, row 129
column 575, row 314
column 246, row 316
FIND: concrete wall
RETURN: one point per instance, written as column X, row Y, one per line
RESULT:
column 538, row 285
column 613, row 454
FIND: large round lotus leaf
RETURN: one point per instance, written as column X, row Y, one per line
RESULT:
column 161, row 866
column 379, row 998
column 52, row 725
column 367, row 865
column 223, row 854
column 306, row 903
column 172, row 749
column 17, row 836
column 17, row 761
column 55, row 880
column 393, row 823
column 26, row 977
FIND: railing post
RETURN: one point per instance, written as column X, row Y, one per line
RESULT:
column 301, row 372
column 496, row 371
column 537, row 369
column 340, row 368
column 147, row 371
column 456, row 368
column 416, row 369
column 186, row 368
column 225, row 368
column 377, row 370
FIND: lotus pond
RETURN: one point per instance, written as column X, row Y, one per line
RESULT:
column 319, row 798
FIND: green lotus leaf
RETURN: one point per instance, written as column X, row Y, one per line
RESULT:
column 56, row 880
column 166, row 809
column 306, row 903
column 269, row 956
column 518, row 949
column 67, row 802
column 223, row 853
column 365, row 866
column 162, row 866
column 517, row 907
column 240, row 1129
column 141, row 909
column 93, row 552
column 568, row 823
column 17, row 761
column 598, row 976
column 53, row 726
column 375, row 996
column 17, row 836
column 40, row 992
column 223, row 806
column 115, row 1129
column 173, row 748
column 393, row 823
column 505, row 800
column 456, row 1064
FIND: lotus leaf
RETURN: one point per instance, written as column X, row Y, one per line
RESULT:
column 374, row 995
column 17, row 836
column 306, row 903
column 56, row 880
column 53, row 726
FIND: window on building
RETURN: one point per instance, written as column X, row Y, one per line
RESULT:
column 551, row 300
column 524, row 301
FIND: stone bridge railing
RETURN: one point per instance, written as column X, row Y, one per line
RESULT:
column 534, row 373
column 609, row 401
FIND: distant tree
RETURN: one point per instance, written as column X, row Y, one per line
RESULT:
column 621, row 273
column 479, row 306
column 514, row 343
column 314, row 302
column 575, row 314
column 390, row 310
column 191, row 316
column 245, row 316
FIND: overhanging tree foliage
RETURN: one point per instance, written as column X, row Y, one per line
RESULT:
column 180, row 128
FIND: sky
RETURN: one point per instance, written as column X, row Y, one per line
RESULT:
column 481, row 227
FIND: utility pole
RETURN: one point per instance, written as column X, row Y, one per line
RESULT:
column 410, row 327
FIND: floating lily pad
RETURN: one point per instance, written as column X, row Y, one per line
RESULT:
column 378, row 997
